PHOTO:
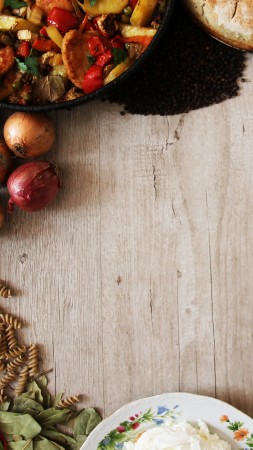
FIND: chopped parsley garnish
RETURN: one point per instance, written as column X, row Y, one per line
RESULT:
column 91, row 59
column 14, row 4
column 119, row 55
column 21, row 66
column 30, row 64
column 93, row 2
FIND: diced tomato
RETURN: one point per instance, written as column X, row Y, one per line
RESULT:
column 117, row 42
column 96, row 46
column 45, row 45
column 62, row 19
column 105, row 58
column 23, row 49
column 93, row 79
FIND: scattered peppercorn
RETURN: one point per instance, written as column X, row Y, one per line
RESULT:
column 187, row 70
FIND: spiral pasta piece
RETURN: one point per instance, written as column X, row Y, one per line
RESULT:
column 14, row 352
column 11, row 338
column 5, row 292
column 3, row 345
column 33, row 360
column 22, row 381
column 2, row 366
column 7, row 378
column 15, row 363
column 68, row 401
column 10, row 320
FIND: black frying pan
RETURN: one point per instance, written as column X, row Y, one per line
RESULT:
column 105, row 89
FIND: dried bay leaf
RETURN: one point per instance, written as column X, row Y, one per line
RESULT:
column 56, row 399
column 21, row 445
column 49, row 88
column 79, row 442
column 58, row 437
column 32, row 386
column 52, row 416
column 45, row 444
column 27, row 406
column 19, row 424
column 42, row 384
column 5, row 406
column 86, row 421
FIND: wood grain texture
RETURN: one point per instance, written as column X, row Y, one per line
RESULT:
column 137, row 279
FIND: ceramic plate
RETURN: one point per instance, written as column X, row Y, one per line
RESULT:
column 125, row 424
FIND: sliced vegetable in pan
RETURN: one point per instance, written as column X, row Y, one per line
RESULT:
column 55, row 50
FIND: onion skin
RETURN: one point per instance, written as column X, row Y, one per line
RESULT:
column 32, row 186
column 29, row 135
column 2, row 218
column 5, row 160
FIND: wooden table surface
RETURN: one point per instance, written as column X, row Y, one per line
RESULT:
column 138, row 279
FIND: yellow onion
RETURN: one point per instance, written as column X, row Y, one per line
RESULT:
column 5, row 160
column 32, row 186
column 29, row 135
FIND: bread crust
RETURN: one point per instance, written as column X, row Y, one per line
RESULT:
column 230, row 21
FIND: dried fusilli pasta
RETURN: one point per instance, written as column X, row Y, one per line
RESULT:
column 10, row 320
column 2, row 366
column 7, row 378
column 17, row 362
column 68, row 401
column 33, row 360
column 11, row 338
column 3, row 344
column 22, row 381
column 5, row 292
column 15, row 352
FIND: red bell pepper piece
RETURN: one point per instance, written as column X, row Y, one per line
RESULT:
column 96, row 46
column 104, row 59
column 43, row 32
column 45, row 45
column 144, row 40
column 23, row 49
column 133, row 3
column 62, row 19
column 117, row 42
column 86, row 24
column 93, row 79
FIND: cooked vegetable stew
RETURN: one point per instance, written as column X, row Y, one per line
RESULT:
column 57, row 50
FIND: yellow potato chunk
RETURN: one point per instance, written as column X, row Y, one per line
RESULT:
column 103, row 7
column 129, row 31
column 143, row 12
column 13, row 23
column 117, row 71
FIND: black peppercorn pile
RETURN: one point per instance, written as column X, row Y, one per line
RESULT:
column 187, row 70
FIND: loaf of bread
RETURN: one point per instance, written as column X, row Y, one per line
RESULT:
column 230, row 21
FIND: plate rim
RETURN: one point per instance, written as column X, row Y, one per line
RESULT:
column 104, row 422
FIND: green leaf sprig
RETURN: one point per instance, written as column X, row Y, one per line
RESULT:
column 119, row 55
column 14, row 4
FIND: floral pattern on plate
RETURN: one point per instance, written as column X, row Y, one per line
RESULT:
column 130, row 429
column 240, row 433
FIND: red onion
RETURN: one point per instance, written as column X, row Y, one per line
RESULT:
column 33, row 186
